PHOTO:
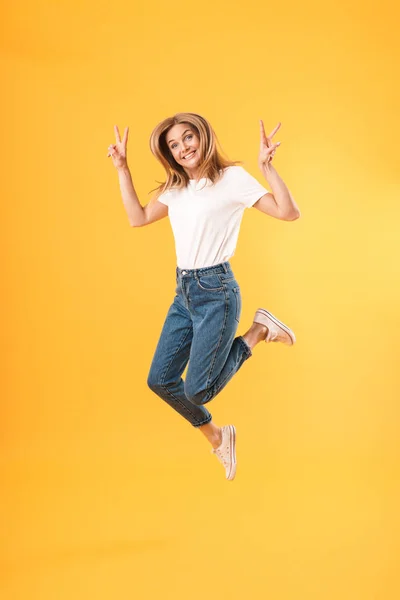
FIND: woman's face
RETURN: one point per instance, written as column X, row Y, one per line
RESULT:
column 184, row 145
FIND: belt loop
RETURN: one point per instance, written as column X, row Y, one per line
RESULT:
column 225, row 267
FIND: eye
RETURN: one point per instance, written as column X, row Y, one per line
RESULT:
column 189, row 135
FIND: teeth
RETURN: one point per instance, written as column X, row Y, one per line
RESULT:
column 189, row 155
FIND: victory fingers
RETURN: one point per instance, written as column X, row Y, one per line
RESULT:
column 273, row 132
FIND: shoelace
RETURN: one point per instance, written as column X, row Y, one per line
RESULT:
column 220, row 454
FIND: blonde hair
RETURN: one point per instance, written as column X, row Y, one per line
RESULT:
column 213, row 163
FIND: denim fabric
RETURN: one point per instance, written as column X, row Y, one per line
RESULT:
column 199, row 328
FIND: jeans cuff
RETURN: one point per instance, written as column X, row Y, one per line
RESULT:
column 207, row 420
column 246, row 348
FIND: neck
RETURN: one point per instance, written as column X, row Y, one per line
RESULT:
column 193, row 173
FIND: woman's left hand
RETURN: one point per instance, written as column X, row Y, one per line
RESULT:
column 267, row 147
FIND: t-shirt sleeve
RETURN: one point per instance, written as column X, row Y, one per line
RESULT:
column 248, row 189
column 165, row 198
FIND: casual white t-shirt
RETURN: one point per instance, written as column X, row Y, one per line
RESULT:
column 205, row 217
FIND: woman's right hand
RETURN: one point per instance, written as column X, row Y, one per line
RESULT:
column 117, row 151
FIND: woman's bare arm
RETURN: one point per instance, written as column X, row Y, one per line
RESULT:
column 138, row 215
column 280, row 203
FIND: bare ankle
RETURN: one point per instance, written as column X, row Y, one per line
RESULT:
column 213, row 433
column 217, row 440
column 255, row 334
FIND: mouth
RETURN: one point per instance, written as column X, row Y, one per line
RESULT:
column 189, row 156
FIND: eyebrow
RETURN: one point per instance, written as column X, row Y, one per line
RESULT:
column 181, row 135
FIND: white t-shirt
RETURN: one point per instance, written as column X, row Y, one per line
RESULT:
column 205, row 218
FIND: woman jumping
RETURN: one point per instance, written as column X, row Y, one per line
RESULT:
column 204, row 196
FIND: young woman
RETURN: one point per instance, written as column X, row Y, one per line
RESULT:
column 204, row 196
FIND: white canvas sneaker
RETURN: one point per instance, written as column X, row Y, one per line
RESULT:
column 277, row 331
column 226, row 452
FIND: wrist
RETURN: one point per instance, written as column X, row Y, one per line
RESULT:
column 266, row 169
column 266, row 165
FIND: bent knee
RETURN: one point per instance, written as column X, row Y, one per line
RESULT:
column 154, row 381
column 196, row 396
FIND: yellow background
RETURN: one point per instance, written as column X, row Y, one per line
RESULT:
column 106, row 492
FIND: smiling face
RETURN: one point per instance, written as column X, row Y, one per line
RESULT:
column 184, row 145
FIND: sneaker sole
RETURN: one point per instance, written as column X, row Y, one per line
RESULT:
column 232, row 443
column 280, row 324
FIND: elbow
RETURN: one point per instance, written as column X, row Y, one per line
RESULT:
column 139, row 219
column 292, row 216
column 296, row 216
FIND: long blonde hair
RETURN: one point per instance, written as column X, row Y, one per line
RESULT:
column 213, row 163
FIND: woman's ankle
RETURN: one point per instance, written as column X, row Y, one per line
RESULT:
column 213, row 433
column 257, row 333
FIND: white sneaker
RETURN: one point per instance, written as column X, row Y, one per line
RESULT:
column 226, row 452
column 277, row 331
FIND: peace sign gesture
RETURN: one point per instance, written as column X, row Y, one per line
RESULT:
column 117, row 151
column 267, row 148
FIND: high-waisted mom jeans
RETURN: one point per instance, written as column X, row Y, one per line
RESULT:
column 200, row 327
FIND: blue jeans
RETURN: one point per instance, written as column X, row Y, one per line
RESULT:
column 199, row 328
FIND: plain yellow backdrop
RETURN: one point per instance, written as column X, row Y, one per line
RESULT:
column 106, row 492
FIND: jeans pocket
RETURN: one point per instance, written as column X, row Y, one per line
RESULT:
column 238, row 302
column 227, row 277
column 210, row 283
